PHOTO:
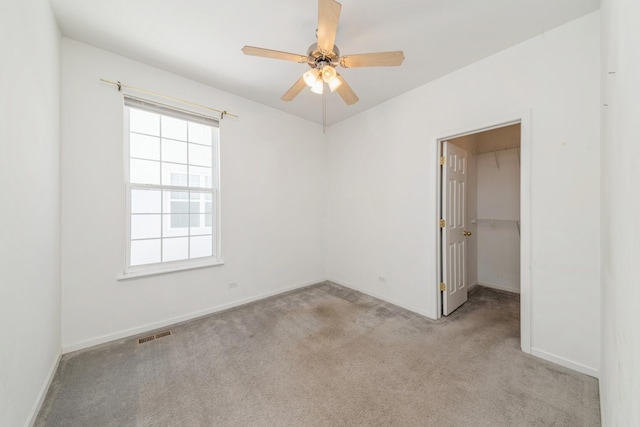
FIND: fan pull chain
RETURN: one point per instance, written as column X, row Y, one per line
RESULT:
column 324, row 111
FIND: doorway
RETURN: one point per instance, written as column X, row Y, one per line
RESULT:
column 483, row 232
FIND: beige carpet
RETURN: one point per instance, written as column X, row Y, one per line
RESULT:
column 325, row 356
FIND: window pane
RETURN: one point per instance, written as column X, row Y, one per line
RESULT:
column 144, row 172
column 175, row 249
column 173, row 174
column 199, row 133
column 172, row 199
column 145, row 252
column 174, row 128
column 204, row 175
column 178, row 179
column 194, row 222
column 208, row 203
column 179, row 195
column 208, row 218
column 174, row 151
column 175, row 225
column 199, row 155
column 201, row 246
column 144, row 147
column 145, row 226
column 179, row 206
column 144, row 122
column 145, row 201
column 201, row 224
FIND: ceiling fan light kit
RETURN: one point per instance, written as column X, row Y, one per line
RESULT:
column 324, row 56
column 315, row 78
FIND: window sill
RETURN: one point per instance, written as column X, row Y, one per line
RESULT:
column 146, row 271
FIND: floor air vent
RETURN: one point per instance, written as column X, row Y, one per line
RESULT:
column 163, row 334
column 154, row 337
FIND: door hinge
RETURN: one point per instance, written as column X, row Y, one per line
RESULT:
column 443, row 286
column 443, row 160
column 443, row 223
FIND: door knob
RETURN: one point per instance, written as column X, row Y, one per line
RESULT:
column 467, row 233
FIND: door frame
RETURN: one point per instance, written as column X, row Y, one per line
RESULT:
column 524, row 119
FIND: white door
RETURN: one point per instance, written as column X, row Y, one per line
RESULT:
column 454, row 233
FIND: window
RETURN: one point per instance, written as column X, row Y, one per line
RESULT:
column 172, row 189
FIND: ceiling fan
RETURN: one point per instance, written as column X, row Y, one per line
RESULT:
column 324, row 56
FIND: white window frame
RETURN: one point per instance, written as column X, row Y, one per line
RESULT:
column 134, row 271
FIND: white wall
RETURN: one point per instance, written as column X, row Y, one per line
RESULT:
column 382, row 184
column 620, row 377
column 30, row 213
column 498, row 210
column 273, row 189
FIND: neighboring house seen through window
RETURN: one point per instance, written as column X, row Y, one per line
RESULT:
column 172, row 189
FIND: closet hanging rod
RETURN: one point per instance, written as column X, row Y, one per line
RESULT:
column 496, row 149
column 120, row 86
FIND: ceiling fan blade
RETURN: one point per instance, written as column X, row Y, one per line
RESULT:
column 273, row 54
column 328, row 17
column 345, row 91
column 379, row 59
column 294, row 90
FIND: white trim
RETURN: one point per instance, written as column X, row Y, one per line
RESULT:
column 524, row 118
column 525, row 232
column 587, row 370
column 472, row 286
column 385, row 298
column 80, row 345
column 37, row 405
column 499, row 287
column 168, row 267
column 217, row 177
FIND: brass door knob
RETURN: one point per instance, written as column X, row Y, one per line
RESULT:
column 467, row 233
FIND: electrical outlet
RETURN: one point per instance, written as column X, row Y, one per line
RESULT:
column 233, row 285
column 382, row 279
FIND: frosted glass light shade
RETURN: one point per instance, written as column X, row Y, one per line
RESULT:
column 310, row 77
column 334, row 84
column 317, row 87
column 328, row 73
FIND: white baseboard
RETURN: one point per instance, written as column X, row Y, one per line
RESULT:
column 593, row 372
column 500, row 287
column 43, row 391
column 80, row 345
column 385, row 298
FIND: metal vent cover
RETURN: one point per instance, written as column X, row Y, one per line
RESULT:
column 154, row 337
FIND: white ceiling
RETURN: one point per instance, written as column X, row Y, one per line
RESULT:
column 201, row 40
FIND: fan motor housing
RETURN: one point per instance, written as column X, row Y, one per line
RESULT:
column 318, row 58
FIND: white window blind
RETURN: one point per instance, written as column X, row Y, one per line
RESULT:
column 172, row 188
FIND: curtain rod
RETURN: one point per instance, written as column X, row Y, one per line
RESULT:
column 121, row 85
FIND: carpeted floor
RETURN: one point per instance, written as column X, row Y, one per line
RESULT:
column 325, row 356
